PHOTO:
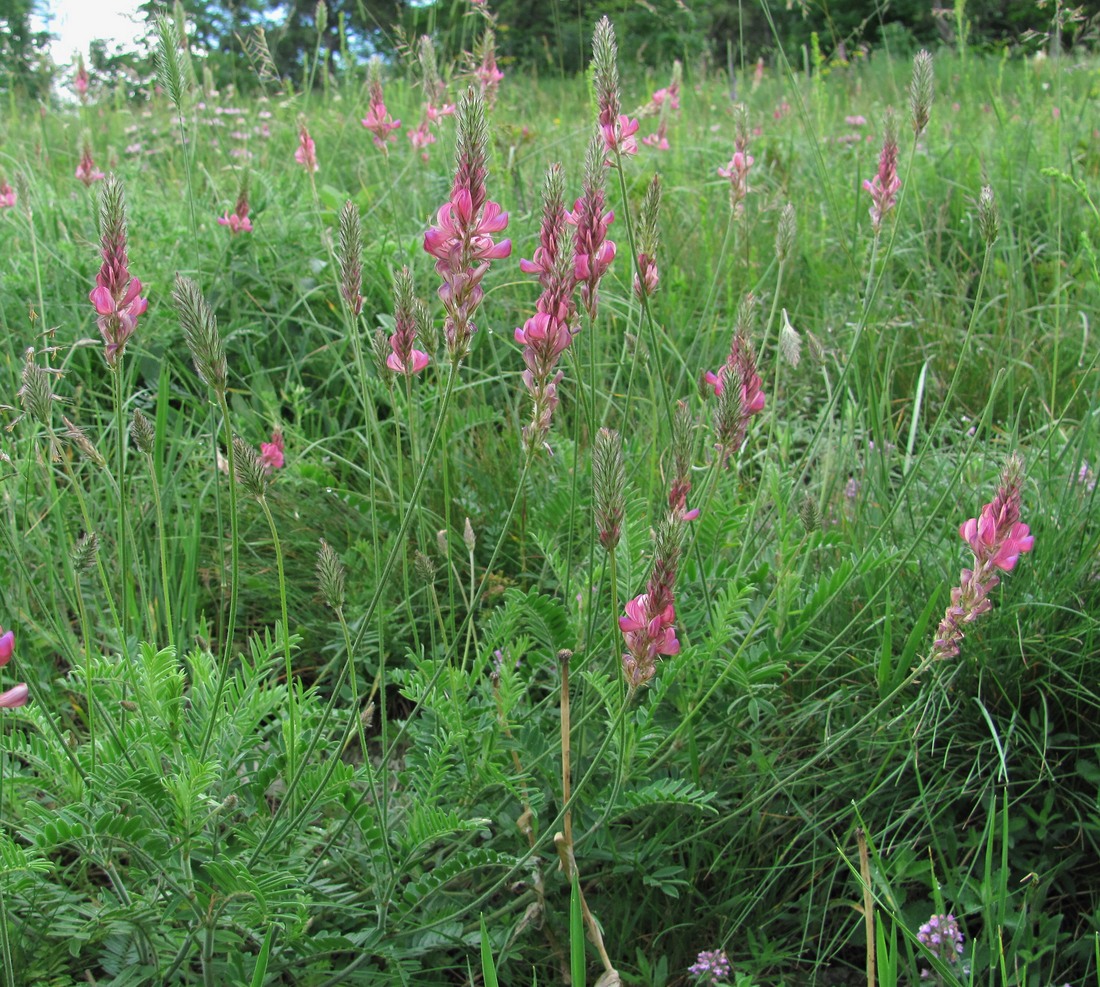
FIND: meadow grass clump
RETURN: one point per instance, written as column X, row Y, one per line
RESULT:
column 383, row 608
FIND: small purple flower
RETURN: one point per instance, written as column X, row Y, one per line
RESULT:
column 942, row 937
column 711, row 967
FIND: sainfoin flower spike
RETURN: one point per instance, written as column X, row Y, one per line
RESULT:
column 238, row 221
column 81, row 80
column 306, row 154
column 272, row 454
column 737, row 386
column 592, row 251
column 617, row 129
column 885, row 185
column 648, row 626
column 462, row 239
column 997, row 538
column 488, row 74
column 548, row 333
column 16, row 695
column 405, row 359
column 116, row 296
column 86, row 171
column 378, row 120
column 7, row 196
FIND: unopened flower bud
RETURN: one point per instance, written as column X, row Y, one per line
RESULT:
column 790, row 343
column 785, row 233
column 989, row 223
column 36, row 395
column 250, row 470
column 84, row 552
column 83, row 443
column 468, row 536
column 809, row 514
column 424, row 567
column 921, row 89
column 330, row 576
column 142, row 432
column 608, row 481
column 200, row 332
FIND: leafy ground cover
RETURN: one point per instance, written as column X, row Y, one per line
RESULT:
column 716, row 606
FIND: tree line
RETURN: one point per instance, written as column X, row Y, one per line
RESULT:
column 552, row 36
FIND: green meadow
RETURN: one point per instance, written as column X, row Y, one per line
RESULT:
column 345, row 652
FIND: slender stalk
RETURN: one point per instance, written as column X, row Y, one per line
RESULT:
column 234, row 579
column 292, row 699
column 120, row 474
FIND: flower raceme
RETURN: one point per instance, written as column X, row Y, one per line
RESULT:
column 272, row 454
column 997, row 538
column 648, row 625
column 617, row 129
column 378, row 120
column 462, row 239
column 592, row 251
column 86, row 171
column 17, row 695
column 116, row 296
column 238, row 221
column 405, row 359
column 548, row 333
column 737, row 386
column 306, row 154
column 885, row 185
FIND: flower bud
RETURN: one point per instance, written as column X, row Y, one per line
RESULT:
column 989, row 223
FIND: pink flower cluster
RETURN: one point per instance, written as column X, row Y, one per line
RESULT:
column 405, row 358
column 488, row 74
column 592, row 251
column 548, row 333
column 737, row 171
column 86, row 171
column 117, row 295
column 733, row 416
column 306, row 154
column 17, row 695
column 238, row 221
column 997, row 538
column 7, row 196
column 462, row 239
column 272, row 454
column 618, row 133
column 663, row 102
column 80, row 82
column 648, row 625
column 378, row 120
column 885, row 185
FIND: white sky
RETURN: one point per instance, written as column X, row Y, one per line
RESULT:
column 77, row 23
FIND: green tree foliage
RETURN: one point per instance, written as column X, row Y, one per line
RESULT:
column 24, row 65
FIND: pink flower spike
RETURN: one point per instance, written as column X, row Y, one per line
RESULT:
column 7, row 647
column 15, row 697
column 271, row 453
column 306, row 154
column 7, row 196
column 885, row 185
column 116, row 296
column 378, row 120
column 997, row 538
